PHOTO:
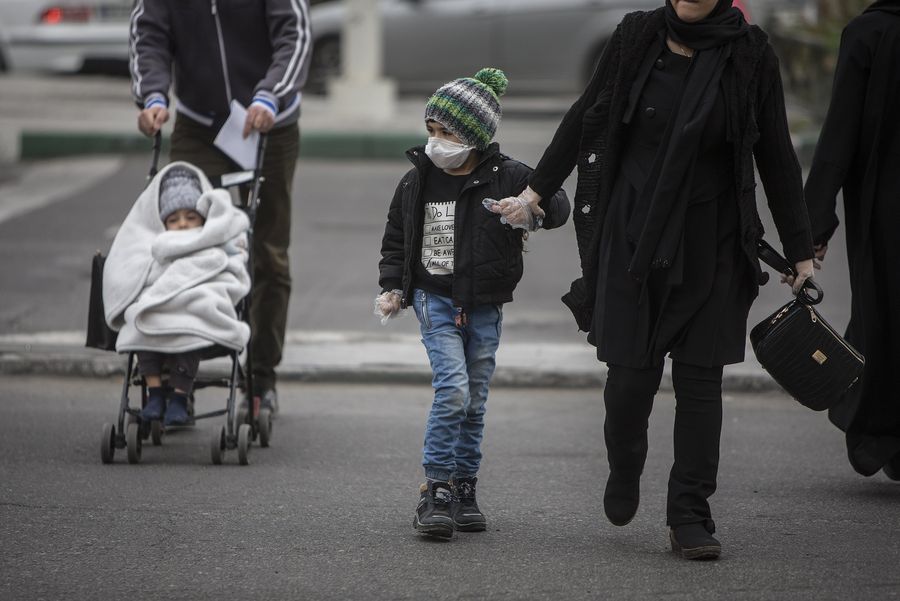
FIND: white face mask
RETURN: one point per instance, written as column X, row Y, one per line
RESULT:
column 446, row 154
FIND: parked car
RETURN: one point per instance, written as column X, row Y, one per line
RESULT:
column 544, row 47
column 64, row 35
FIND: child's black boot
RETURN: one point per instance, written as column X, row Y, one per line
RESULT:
column 177, row 413
column 467, row 517
column 156, row 404
column 433, row 511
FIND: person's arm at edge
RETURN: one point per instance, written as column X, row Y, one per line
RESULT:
column 837, row 145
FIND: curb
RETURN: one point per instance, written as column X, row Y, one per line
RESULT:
column 313, row 144
column 90, row 363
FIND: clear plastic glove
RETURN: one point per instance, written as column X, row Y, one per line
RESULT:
column 387, row 305
column 516, row 212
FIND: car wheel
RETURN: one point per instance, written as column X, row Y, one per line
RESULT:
column 325, row 64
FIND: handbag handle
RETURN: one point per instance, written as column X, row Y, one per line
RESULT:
column 773, row 259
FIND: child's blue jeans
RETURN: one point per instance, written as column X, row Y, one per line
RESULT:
column 462, row 362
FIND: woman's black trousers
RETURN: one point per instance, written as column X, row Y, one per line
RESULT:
column 629, row 397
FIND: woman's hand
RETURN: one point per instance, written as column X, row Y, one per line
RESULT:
column 804, row 270
column 520, row 210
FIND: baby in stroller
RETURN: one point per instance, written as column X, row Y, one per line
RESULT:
column 175, row 271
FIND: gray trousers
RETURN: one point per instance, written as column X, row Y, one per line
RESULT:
column 182, row 367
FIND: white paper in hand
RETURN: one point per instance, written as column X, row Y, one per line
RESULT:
column 230, row 138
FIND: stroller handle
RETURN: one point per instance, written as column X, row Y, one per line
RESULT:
column 154, row 162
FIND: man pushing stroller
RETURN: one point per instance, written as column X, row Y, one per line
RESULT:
column 175, row 271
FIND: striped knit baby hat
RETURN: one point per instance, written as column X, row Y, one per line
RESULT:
column 179, row 189
column 470, row 107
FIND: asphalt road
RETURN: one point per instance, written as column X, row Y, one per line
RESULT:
column 325, row 513
column 338, row 221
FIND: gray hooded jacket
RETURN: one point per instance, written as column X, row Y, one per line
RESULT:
column 219, row 50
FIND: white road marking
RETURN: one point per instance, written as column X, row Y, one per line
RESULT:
column 45, row 182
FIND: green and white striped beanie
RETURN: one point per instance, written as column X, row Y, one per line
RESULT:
column 470, row 107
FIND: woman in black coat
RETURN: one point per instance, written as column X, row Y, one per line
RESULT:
column 859, row 152
column 664, row 139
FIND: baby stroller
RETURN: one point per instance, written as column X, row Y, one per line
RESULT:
column 243, row 425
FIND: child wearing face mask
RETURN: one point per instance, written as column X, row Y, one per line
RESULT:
column 446, row 254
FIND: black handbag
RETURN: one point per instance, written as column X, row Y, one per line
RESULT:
column 800, row 350
column 99, row 335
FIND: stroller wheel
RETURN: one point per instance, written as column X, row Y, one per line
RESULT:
column 264, row 424
column 108, row 443
column 133, row 443
column 156, row 432
column 217, row 445
column 244, row 435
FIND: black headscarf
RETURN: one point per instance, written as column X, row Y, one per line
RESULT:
column 888, row 6
column 662, row 206
column 724, row 24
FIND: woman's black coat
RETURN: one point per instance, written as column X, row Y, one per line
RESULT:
column 859, row 152
column 592, row 136
column 487, row 254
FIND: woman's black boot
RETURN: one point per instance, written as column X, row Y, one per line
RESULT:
column 694, row 541
column 891, row 469
column 621, row 499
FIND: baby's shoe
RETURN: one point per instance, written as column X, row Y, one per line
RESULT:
column 156, row 404
column 177, row 413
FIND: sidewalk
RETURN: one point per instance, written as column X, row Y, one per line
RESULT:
column 343, row 358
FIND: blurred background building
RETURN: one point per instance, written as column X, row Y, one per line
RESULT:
column 91, row 36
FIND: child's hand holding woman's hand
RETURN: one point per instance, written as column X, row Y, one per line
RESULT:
column 520, row 211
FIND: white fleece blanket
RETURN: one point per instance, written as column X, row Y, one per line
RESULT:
column 175, row 291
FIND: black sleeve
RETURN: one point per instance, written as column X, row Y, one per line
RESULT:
column 779, row 169
column 390, row 266
column 561, row 155
column 837, row 144
column 556, row 209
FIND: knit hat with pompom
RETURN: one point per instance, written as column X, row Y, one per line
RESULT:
column 470, row 107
